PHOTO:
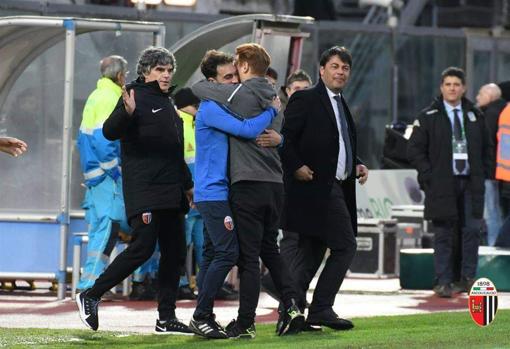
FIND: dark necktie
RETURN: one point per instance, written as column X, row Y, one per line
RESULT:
column 460, row 165
column 345, row 135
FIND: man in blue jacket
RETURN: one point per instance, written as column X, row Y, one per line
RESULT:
column 213, row 124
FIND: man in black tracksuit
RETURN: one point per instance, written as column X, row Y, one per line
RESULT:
column 157, row 187
column 446, row 148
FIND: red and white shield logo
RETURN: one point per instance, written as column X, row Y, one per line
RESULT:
column 229, row 223
column 147, row 217
column 483, row 302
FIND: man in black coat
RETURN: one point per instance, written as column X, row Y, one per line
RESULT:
column 490, row 102
column 157, row 187
column 320, row 169
column 447, row 148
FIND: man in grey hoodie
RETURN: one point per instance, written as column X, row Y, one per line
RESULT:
column 256, row 192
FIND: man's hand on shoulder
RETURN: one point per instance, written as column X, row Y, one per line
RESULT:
column 269, row 139
column 277, row 104
column 304, row 173
column 361, row 173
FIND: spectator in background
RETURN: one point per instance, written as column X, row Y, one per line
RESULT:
column 187, row 105
column 12, row 146
column 446, row 148
column 100, row 164
column 490, row 102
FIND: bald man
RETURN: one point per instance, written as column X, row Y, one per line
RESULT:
column 490, row 102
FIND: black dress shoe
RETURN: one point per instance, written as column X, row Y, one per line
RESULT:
column 443, row 291
column 329, row 319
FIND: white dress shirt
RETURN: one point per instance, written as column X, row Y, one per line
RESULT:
column 340, row 166
column 449, row 111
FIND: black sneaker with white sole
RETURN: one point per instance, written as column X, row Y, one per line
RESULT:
column 87, row 307
column 235, row 330
column 171, row 326
column 291, row 321
column 208, row 328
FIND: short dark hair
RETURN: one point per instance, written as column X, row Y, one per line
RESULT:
column 185, row 97
column 454, row 71
column 272, row 73
column 211, row 61
column 152, row 57
column 342, row 53
column 298, row 75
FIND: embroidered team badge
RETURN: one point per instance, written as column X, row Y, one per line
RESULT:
column 229, row 223
column 483, row 302
column 147, row 217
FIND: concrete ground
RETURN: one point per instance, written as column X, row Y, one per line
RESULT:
column 357, row 298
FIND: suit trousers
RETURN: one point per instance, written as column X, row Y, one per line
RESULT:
column 165, row 227
column 339, row 238
column 462, row 234
column 257, row 208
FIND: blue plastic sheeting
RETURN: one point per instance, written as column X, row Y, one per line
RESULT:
column 28, row 247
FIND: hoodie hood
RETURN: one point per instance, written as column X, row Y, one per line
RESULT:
column 261, row 88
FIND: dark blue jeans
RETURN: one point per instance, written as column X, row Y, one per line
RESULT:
column 462, row 234
column 221, row 251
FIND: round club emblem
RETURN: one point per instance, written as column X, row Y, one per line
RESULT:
column 483, row 302
column 229, row 223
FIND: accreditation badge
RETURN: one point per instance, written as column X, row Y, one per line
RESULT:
column 483, row 302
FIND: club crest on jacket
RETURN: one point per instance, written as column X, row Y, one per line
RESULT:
column 147, row 217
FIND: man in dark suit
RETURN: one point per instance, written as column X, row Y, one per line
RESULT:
column 320, row 169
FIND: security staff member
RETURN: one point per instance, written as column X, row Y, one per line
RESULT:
column 446, row 148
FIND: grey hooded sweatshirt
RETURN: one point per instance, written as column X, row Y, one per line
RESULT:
column 248, row 161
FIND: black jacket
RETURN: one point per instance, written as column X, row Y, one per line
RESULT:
column 154, row 174
column 491, row 117
column 430, row 152
column 311, row 138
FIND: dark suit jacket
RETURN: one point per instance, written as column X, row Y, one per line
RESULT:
column 311, row 138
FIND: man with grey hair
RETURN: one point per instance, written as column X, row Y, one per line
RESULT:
column 157, row 185
column 100, row 164
column 490, row 102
